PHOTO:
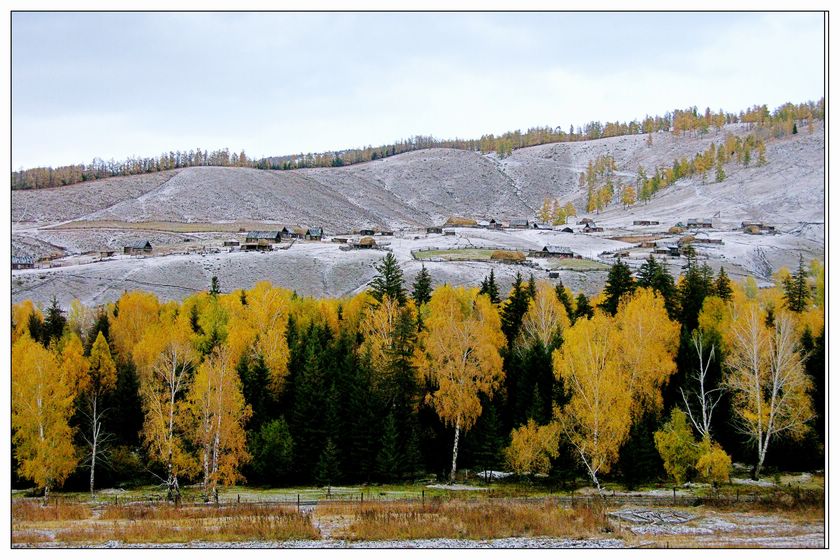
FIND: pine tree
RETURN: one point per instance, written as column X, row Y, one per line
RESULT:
column 489, row 287
column 796, row 289
column 619, row 282
column 272, row 451
column 388, row 460
column 422, row 288
column 388, row 281
column 214, row 286
column 723, row 287
column 532, row 287
column 582, row 307
column 514, row 309
column 328, row 469
column 565, row 299
column 53, row 323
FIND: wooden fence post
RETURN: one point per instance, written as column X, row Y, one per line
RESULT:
column 298, row 503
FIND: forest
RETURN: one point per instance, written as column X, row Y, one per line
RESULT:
column 783, row 121
column 654, row 378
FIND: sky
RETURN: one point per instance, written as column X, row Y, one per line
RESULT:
column 113, row 85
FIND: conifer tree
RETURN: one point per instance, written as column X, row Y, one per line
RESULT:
column 514, row 309
column 328, row 469
column 565, row 299
column 723, row 287
column 619, row 282
column 54, row 323
column 796, row 289
column 489, row 287
column 388, row 460
column 422, row 288
column 582, row 307
column 388, row 281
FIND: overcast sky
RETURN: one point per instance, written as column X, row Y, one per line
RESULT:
column 114, row 85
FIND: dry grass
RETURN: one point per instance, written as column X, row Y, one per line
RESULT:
column 459, row 221
column 171, row 512
column 263, row 526
column 515, row 256
column 57, row 511
column 473, row 520
column 31, row 538
column 139, row 524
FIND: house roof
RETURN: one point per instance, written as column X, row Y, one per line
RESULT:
column 557, row 249
column 23, row 260
column 519, row 222
column 315, row 231
column 262, row 234
column 699, row 220
column 138, row 244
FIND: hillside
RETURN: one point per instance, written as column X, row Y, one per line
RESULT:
column 192, row 209
column 426, row 186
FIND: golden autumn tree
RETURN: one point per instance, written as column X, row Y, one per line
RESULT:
column 217, row 413
column 99, row 379
column 770, row 389
column 532, row 447
column 21, row 313
column 648, row 342
column 132, row 314
column 165, row 357
column 546, row 317
column 462, row 358
column 597, row 418
column 42, row 404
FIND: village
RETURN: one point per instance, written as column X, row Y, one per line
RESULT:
column 460, row 250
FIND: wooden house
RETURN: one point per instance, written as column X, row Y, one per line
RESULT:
column 314, row 234
column 555, row 251
column 269, row 236
column 367, row 232
column 434, row 229
column 138, row 248
column 645, row 223
column 519, row 223
column 705, row 223
column 590, row 227
column 21, row 263
column 230, row 243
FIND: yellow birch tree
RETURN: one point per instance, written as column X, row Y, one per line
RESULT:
column 462, row 358
column 42, row 404
column 597, row 418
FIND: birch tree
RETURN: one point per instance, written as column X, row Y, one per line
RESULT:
column 218, row 412
column 648, row 342
column 42, row 404
column 546, row 317
column 702, row 398
column 767, row 379
column 597, row 418
column 165, row 358
column 462, row 356
column 101, row 378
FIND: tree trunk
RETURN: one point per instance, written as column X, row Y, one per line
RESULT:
column 93, row 447
column 455, row 451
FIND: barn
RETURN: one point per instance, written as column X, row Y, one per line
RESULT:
column 138, row 248
column 20, row 263
column 267, row 236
